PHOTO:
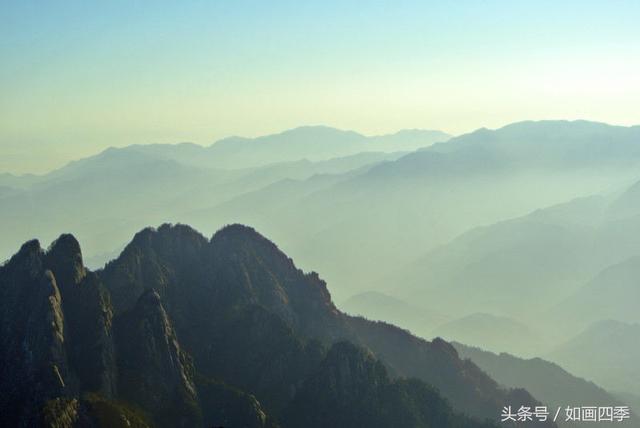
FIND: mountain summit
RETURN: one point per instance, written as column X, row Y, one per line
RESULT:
column 182, row 331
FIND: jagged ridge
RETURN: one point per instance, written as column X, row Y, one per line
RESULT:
column 176, row 318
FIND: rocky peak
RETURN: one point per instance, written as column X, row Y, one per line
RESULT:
column 155, row 372
column 155, row 258
column 27, row 259
column 33, row 357
column 170, row 240
column 259, row 272
column 246, row 314
column 44, row 343
column 29, row 247
column 240, row 233
column 64, row 258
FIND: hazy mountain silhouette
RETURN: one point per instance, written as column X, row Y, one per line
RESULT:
column 531, row 222
column 491, row 332
column 415, row 203
column 543, row 378
column 107, row 197
column 553, row 143
column 313, row 143
column 179, row 324
column 538, row 258
column 497, row 333
column 17, row 181
column 612, row 294
column 428, row 197
column 381, row 307
column 607, row 352
column 573, row 264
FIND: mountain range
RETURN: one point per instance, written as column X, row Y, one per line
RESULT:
column 544, row 379
column 428, row 197
column 605, row 352
column 415, row 201
column 516, row 240
column 574, row 264
column 180, row 330
column 161, row 182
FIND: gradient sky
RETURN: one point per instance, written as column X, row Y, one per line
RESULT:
column 78, row 76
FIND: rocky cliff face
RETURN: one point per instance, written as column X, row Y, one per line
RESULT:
column 33, row 358
column 87, row 306
column 184, row 331
column 154, row 373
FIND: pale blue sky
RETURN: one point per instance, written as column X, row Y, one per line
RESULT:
column 78, row 76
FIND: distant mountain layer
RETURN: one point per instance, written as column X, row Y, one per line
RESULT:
column 538, row 259
column 496, row 333
column 613, row 293
column 314, row 143
column 106, row 198
column 492, row 332
column 426, row 198
column 181, row 331
column 607, row 352
column 382, row 307
column 561, row 268
column 310, row 143
column 555, row 386
column 162, row 182
column 323, row 211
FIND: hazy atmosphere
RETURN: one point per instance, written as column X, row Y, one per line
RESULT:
column 78, row 77
column 320, row 214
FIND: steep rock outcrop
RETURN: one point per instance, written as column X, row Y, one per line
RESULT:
column 184, row 331
column 154, row 372
column 33, row 359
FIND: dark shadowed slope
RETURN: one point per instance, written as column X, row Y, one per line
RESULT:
column 179, row 324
